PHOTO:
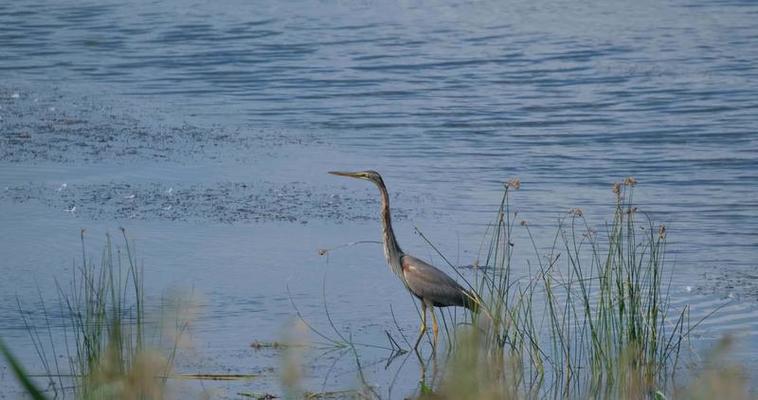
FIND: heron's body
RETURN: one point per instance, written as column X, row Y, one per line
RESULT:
column 430, row 285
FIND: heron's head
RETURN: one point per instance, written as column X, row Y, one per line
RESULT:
column 372, row 176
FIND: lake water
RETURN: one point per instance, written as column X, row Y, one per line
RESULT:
column 206, row 130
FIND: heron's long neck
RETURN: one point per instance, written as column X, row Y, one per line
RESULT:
column 391, row 249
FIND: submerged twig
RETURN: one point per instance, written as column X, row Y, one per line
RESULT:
column 326, row 251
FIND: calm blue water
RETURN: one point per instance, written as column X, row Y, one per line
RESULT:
column 206, row 130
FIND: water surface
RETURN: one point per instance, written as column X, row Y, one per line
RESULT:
column 206, row 130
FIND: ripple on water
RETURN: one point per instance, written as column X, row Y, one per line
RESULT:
column 570, row 97
column 60, row 127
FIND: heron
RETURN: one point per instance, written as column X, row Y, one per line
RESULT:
column 430, row 285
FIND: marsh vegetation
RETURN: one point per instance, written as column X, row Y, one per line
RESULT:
column 591, row 318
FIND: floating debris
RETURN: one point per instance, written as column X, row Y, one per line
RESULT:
column 259, row 345
column 226, row 202
column 258, row 396
column 90, row 130
column 216, row 377
column 337, row 394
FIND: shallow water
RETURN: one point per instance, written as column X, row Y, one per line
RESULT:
column 207, row 131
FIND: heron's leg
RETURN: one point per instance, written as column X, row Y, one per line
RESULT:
column 435, row 327
column 422, row 330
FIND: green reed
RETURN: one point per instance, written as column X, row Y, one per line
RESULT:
column 103, row 331
column 591, row 314
column 588, row 315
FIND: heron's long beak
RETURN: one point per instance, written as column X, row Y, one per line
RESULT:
column 348, row 174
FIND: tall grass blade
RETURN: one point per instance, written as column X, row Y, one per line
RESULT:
column 21, row 374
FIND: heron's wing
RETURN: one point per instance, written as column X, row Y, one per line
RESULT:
column 431, row 284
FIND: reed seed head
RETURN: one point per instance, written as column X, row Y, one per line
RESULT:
column 617, row 188
column 514, row 183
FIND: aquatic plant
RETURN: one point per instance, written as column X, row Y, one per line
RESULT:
column 593, row 313
column 20, row 373
column 591, row 318
column 104, row 328
column 475, row 373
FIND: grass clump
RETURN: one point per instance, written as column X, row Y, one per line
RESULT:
column 591, row 316
column 475, row 373
column 104, row 333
